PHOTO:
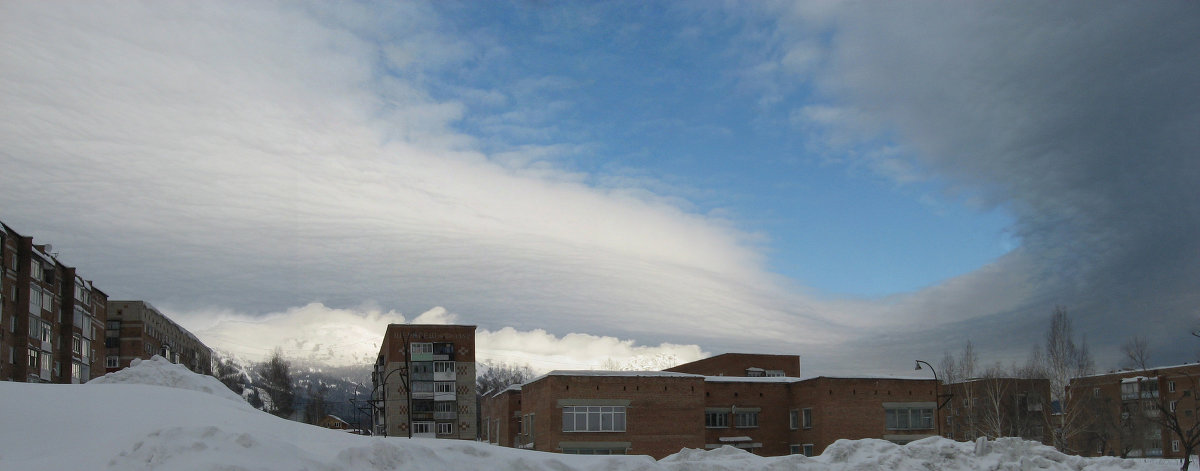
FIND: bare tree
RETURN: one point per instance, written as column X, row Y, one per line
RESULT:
column 277, row 377
column 317, row 406
column 1182, row 418
column 501, row 375
column 1136, row 351
column 1065, row 359
column 993, row 395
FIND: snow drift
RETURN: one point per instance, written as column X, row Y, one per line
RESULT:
column 158, row 416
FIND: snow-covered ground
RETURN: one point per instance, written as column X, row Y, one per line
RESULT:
column 159, row 416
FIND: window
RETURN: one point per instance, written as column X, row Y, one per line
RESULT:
column 419, row 348
column 593, row 451
column 86, row 351
column 794, row 420
column 909, row 418
column 808, row 449
column 1095, row 392
column 806, row 418
column 1171, row 388
column 745, row 419
column 1173, row 405
column 113, row 325
column 35, row 270
column 593, row 418
column 716, row 419
column 795, row 449
column 76, row 345
column 35, row 300
column 1175, row 445
column 443, row 367
column 76, row 372
column 111, row 361
column 33, row 359
column 422, row 427
column 445, row 428
column 774, row 373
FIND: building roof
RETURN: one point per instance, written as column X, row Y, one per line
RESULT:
column 618, row 373
column 751, row 379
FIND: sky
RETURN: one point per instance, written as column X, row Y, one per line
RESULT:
column 858, row 183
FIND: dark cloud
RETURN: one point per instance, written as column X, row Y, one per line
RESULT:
column 1081, row 119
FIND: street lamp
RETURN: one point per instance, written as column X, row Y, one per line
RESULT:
column 937, row 396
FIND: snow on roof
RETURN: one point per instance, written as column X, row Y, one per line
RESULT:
column 1152, row 368
column 904, row 378
column 511, row 387
column 734, row 439
column 659, row 374
column 751, row 379
column 1134, row 379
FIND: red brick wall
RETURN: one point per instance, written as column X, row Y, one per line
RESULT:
column 774, row 401
column 665, row 414
column 853, row 408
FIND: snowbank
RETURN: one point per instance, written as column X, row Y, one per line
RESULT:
column 128, row 421
column 158, row 371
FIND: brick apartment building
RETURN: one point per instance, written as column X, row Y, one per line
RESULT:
column 997, row 407
column 136, row 330
column 438, row 361
column 50, row 316
column 1127, row 410
column 754, row 402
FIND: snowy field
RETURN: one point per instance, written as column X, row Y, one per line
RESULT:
column 159, row 416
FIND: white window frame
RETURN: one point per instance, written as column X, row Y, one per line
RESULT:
column 593, row 419
column 720, row 419
column 1171, row 387
column 745, row 419
column 112, row 361
column 421, row 347
column 808, row 449
column 445, row 428
column 422, row 427
column 443, row 387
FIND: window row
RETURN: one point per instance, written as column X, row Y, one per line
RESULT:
column 910, row 418
column 425, row 428
column 593, row 419
column 720, row 419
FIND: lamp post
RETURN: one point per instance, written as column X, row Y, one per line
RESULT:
column 937, row 396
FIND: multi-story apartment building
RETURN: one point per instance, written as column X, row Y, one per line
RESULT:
column 424, row 382
column 136, row 330
column 50, row 316
column 997, row 407
column 1131, row 412
column 753, row 402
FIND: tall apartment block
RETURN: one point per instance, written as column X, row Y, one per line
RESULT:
column 135, row 329
column 754, row 402
column 1132, row 413
column 50, row 317
column 424, row 382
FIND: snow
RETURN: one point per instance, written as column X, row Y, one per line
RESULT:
column 659, row 374
column 157, row 416
column 751, row 379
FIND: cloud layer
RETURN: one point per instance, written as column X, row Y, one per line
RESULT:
column 293, row 162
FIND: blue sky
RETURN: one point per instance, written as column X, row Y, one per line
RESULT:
column 660, row 92
column 859, row 183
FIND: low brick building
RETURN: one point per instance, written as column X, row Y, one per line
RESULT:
column 660, row 413
column 1127, row 411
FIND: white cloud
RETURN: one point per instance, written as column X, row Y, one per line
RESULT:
column 345, row 337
